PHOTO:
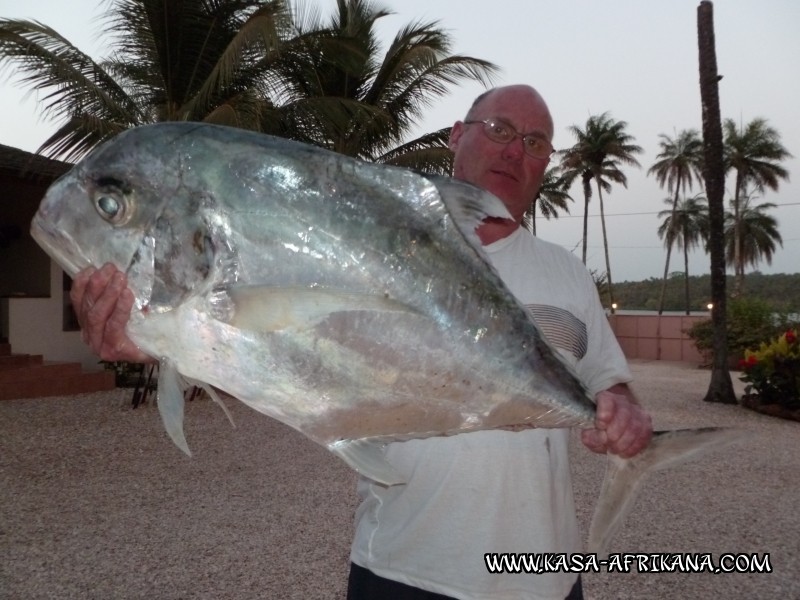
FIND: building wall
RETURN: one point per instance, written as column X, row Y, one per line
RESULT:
column 36, row 326
column 653, row 337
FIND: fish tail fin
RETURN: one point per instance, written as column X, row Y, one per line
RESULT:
column 624, row 477
column 366, row 457
column 170, row 403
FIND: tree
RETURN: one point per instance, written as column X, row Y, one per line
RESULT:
column 597, row 154
column 720, row 388
column 552, row 197
column 372, row 101
column 753, row 153
column 192, row 60
column 678, row 166
column 757, row 235
column 684, row 226
column 253, row 64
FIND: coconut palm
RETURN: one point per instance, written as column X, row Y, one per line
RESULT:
column 757, row 234
column 684, row 226
column 249, row 63
column 753, row 152
column 193, row 60
column 601, row 147
column 678, row 166
column 551, row 198
column 720, row 387
column 375, row 100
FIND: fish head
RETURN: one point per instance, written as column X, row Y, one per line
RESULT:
column 135, row 202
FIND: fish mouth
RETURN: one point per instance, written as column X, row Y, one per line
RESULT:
column 54, row 245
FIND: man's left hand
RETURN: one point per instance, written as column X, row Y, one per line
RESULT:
column 622, row 427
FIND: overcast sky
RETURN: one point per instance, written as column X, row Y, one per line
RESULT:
column 634, row 58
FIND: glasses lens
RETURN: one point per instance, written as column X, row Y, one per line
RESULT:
column 498, row 131
column 536, row 147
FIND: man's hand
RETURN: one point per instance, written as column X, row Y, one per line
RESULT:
column 622, row 427
column 103, row 302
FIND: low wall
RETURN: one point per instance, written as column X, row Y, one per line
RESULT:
column 649, row 336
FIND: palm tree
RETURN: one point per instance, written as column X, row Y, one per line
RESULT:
column 678, row 166
column 684, row 225
column 757, row 231
column 551, row 198
column 754, row 153
column 193, row 60
column 720, row 387
column 597, row 154
column 250, row 64
column 373, row 101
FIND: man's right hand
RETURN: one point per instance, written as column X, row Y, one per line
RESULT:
column 102, row 303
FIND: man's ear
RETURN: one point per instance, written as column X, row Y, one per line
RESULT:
column 455, row 134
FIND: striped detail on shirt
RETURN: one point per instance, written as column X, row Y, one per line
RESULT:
column 561, row 328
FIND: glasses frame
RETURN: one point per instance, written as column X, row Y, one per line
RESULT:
column 525, row 136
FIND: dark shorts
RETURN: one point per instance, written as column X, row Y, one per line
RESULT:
column 363, row 584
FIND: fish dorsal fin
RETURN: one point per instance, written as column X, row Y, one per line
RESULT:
column 469, row 206
column 269, row 308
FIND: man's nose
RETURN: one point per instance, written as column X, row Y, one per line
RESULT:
column 514, row 149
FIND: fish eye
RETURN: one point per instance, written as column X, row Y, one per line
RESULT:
column 112, row 206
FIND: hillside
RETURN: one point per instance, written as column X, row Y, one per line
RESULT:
column 781, row 291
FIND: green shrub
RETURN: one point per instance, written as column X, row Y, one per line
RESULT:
column 773, row 371
column 749, row 322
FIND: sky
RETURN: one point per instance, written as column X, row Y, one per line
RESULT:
column 633, row 58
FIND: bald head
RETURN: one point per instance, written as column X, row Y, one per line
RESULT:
column 524, row 95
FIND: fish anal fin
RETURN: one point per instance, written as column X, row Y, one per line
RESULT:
column 367, row 458
column 624, row 477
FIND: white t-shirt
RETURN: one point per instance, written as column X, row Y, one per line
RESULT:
column 494, row 491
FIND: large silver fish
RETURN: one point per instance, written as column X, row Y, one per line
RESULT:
column 348, row 300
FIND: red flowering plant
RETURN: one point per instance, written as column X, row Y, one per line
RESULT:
column 773, row 371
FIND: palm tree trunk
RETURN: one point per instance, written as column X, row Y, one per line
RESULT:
column 585, row 225
column 738, row 264
column 686, row 268
column 670, row 240
column 720, row 388
column 605, row 247
column 586, row 179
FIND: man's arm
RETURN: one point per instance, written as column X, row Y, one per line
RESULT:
column 102, row 303
column 622, row 426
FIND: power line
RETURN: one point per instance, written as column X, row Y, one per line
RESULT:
column 638, row 214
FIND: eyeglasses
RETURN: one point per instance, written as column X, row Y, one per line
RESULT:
column 501, row 132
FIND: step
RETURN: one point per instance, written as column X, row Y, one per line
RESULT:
column 15, row 361
column 68, row 385
column 33, row 372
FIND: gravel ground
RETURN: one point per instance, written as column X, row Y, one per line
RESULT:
column 95, row 502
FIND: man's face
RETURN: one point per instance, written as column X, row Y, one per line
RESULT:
column 503, row 169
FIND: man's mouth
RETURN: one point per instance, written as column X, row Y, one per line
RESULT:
column 504, row 173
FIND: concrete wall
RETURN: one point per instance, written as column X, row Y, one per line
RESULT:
column 36, row 326
column 652, row 337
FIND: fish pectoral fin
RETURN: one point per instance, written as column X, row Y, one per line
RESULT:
column 267, row 308
column 171, row 386
column 624, row 477
column 368, row 459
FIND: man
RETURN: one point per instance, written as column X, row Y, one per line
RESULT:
column 489, row 491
